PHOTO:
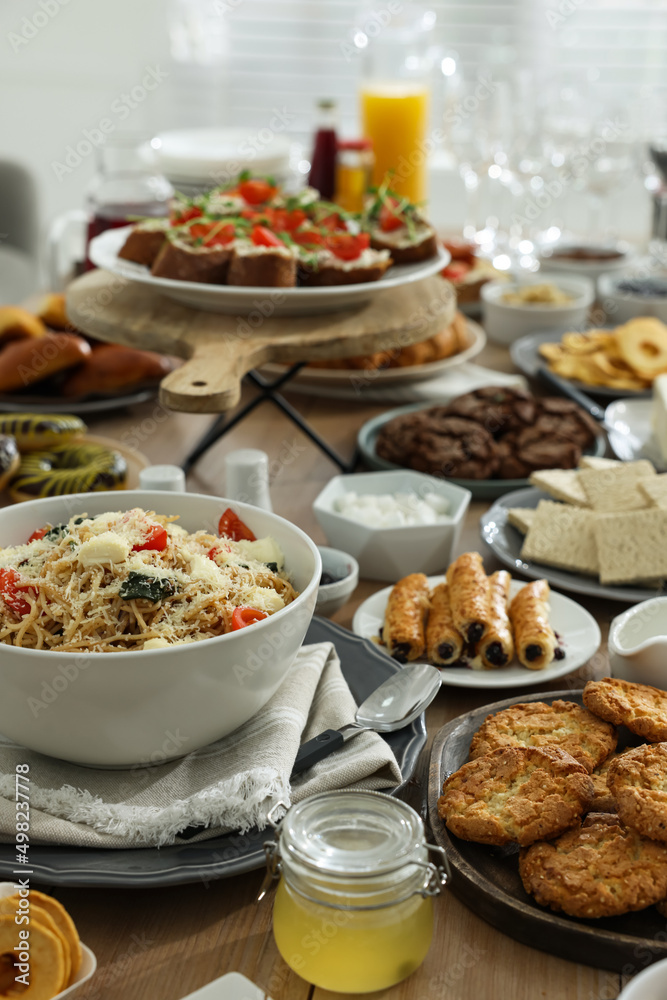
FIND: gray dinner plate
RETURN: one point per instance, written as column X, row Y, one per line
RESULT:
column 364, row 668
column 56, row 404
column 525, row 354
column 487, row 879
column 481, row 489
column 505, row 541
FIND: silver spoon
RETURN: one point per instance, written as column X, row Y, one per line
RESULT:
column 395, row 703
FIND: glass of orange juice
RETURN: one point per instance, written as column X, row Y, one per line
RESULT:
column 395, row 98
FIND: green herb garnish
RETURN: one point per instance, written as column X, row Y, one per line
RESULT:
column 138, row 586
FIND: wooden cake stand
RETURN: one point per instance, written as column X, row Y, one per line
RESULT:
column 219, row 349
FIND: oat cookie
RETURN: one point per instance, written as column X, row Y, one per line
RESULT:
column 604, row 801
column 638, row 782
column 516, row 794
column 600, row 868
column 641, row 708
column 562, row 724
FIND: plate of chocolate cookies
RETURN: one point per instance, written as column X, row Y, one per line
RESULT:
column 488, row 441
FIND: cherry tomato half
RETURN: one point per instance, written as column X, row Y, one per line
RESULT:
column 36, row 535
column 263, row 237
column 456, row 270
column 256, row 192
column 155, row 539
column 246, row 616
column 11, row 584
column 231, row 526
column 346, row 246
column 213, row 233
column 308, row 238
column 181, row 215
column 390, row 219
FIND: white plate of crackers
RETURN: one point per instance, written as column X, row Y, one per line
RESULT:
column 599, row 530
column 576, row 629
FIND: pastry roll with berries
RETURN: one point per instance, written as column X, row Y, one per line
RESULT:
column 444, row 645
column 403, row 631
column 535, row 640
column 497, row 647
column 469, row 597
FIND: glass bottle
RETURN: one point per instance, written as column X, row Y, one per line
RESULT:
column 353, row 910
column 395, row 96
column 354, row 170
column 323, row 161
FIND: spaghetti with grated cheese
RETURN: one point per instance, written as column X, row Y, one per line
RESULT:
column 135, row 580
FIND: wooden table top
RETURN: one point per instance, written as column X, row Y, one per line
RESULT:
column 165, row 943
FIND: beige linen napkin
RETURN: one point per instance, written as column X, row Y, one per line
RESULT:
column 229, row 785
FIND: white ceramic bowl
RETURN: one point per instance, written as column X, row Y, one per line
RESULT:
column 638, row 643
column 651, row 984
column 127, row 708
column 504, row 323
column 345, row 569
column 591, row 269
column 622, row 306
column 390, row 553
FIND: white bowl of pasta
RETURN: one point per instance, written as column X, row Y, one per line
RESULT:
column 128, row 638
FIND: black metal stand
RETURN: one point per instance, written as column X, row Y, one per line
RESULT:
column 267, row 392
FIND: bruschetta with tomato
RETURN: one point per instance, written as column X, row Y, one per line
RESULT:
column 198, row 251
column 394, row 224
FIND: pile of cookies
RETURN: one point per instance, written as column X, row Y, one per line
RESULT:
column 54, row 948
column 494, row 432
column 591, row 822
column 611, row 521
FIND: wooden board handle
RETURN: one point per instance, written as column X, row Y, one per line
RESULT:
column 210, row 380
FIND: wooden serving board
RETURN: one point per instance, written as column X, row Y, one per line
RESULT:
column 219, row 349
column 487, row 878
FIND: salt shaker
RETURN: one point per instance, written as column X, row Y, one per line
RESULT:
column 162, row 477
column 248, row 477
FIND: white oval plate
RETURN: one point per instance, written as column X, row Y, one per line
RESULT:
column 631, row 418
column 349, row 377
column 578, row 629
column 233, row 299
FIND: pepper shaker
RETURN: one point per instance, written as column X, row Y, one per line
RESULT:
column 170, row 478
column 247, row 472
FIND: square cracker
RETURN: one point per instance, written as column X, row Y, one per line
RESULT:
column 632, row 546
column 562, row 535
column 561, row 484
column 615, row 489
column 654, row 488
column 593, row 462
column 521, row 518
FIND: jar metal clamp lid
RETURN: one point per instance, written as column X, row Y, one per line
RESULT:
column 360, row 838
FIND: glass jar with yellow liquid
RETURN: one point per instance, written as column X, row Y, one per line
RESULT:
column 353, row 911
column 395, row 98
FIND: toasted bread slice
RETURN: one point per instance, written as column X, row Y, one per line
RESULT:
column 183, row 262
column 145, row 242
column 268, row 267
column 407, row 245
column 328, row 269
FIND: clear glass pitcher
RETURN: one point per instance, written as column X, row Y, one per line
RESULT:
column 127, row 185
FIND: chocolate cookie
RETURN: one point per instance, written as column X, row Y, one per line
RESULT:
column 499, row 410
column 431, row 441
column 516, row 794
column 562, row 724
column 524, row 452
column 598, row 869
